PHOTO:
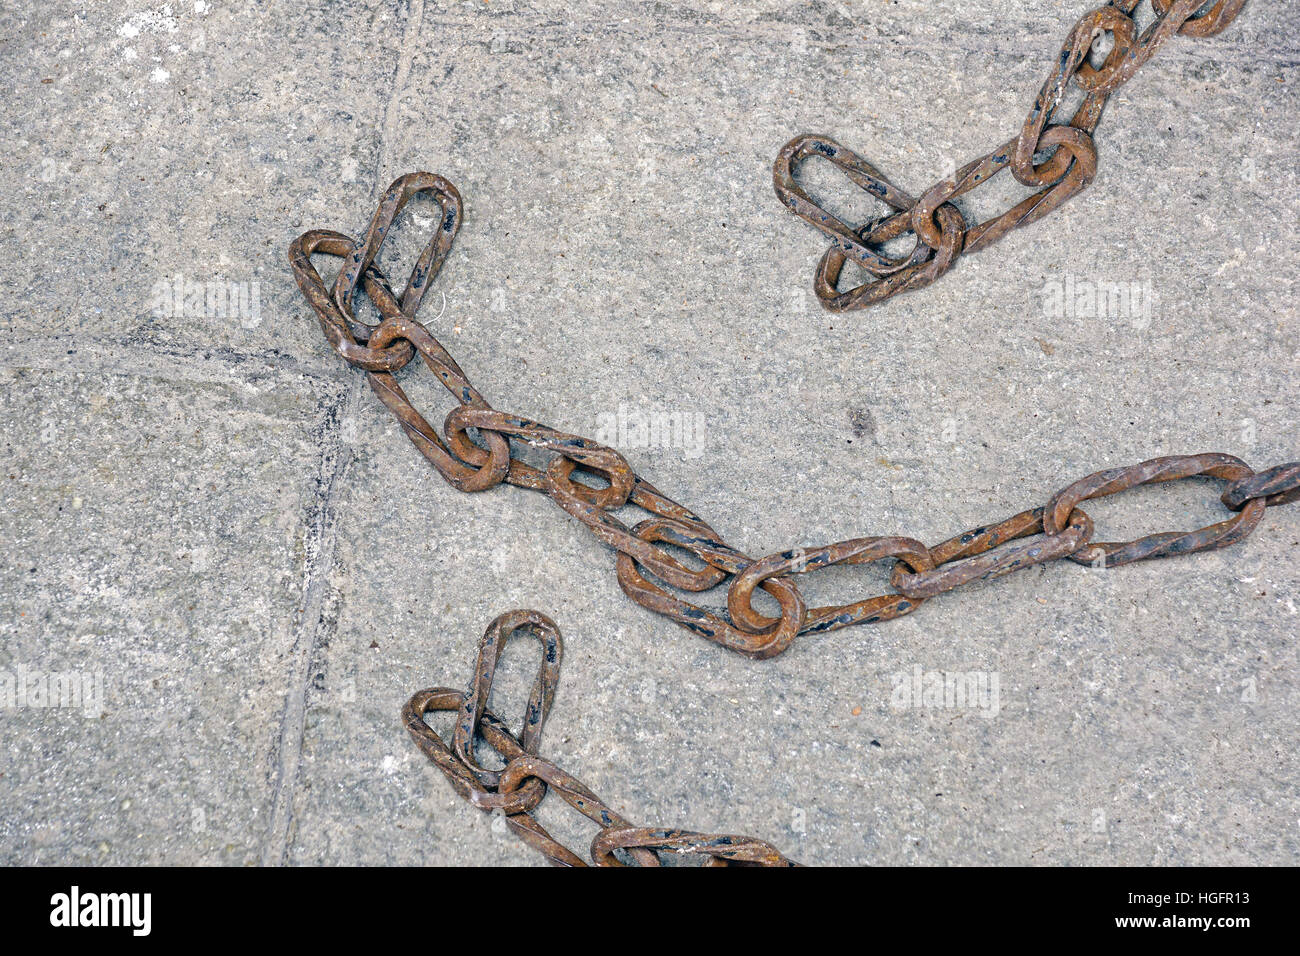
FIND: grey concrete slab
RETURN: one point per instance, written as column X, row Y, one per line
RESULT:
column 131, row 499
column 261, row 569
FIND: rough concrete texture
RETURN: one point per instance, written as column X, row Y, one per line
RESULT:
column 215, row 519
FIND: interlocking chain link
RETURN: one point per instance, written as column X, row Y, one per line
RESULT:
column 476, row 452
column 1070, row 163
column 516, row 790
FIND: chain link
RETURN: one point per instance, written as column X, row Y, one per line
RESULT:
column 942, row 233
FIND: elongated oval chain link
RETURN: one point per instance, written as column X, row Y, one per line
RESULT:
column 942, row 233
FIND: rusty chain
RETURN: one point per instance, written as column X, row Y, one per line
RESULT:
column 516, row 790
column 1067, row 166
column 475, row 453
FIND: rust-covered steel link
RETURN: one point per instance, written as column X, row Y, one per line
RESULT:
column 516, row 790
column 1065, row 146
column 476, row 451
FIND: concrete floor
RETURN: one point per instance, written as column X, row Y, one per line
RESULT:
column 213, row 522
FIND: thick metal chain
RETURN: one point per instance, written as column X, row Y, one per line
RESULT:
column 517, row 789
column 474, row 453
column 942, row 232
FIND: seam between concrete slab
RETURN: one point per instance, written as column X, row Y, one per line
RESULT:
column 322, row 539
column 157, row 358
column 319, row 558
column 392, row 110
